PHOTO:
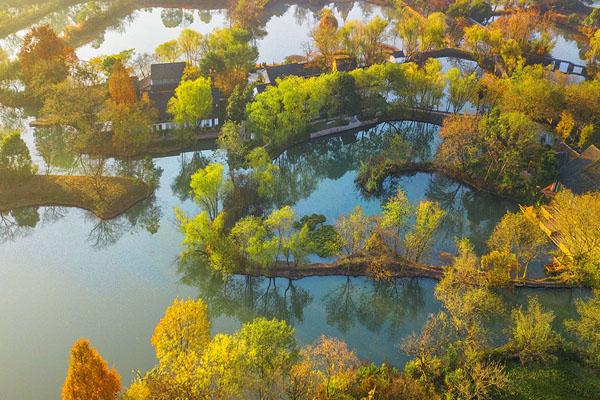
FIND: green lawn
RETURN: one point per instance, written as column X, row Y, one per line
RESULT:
column 565, row 380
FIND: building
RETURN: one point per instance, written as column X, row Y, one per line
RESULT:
column 269, row 74
column 160, row 87
column 582, row 174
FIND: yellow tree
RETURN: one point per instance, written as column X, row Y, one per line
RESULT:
column 88, row 376
column 181, row 335
column 120, row 85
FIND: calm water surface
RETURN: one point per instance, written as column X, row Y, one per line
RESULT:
column 65, row 274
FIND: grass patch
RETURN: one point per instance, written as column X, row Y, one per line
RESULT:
column 106, row 197
column 565, row 380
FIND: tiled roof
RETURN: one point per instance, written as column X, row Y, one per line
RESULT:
column 582, row 175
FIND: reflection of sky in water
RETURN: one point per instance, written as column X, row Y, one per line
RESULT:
column 286, row 33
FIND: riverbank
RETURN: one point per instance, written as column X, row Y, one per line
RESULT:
column 398, row 269
column 106, row 197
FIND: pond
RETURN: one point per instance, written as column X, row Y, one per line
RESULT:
column 66, row 274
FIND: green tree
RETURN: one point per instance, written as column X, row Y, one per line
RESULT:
column 396, row 214
column 587, row 327
column 354, row 230
column 208, row 187
column 228, row 58
column 168, row 51
column 255, row 241
column 190, row 45
column 15, row 160
column 193, row 101
column 418, row 241
column 532, row 333
column 262, row 171
column 271, row 350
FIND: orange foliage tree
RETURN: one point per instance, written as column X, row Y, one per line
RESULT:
column 120, row 86
column 88, row 376
column 45, row 58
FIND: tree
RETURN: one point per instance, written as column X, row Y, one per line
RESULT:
column 587, row 327
column 516, row 234
column 193, row 101
column 333, row 362
column 271, row 351
column 181, row 336
column 228, row 58
column 421, row 34
column 354, row 230
column 120, row 85
column 248, row 15
column 88, row 376
column 45, row 59
column 465, row 293
column 532, row 333
column 281, row 221
column 460, row 143
column 578, row 230
column 208, row 186
column 15, row 160
column 190, row 45
column 429, row 216
column 254, row 241
column 263, row 172
column 462, row 89
column 395, row 215
column 326, row 39
column 206, row 242
column 168, row 51
column 427, row 347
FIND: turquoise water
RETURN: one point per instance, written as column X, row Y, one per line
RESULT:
column 70, row 275
column 66, row 274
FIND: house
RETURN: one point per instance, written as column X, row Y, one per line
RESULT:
column 269, row 74
column 160, row 86
column 582, row 174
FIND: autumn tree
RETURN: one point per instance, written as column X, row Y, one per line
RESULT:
column 532, row 333
column 465, row 293
column 420, row 34
column 181, row 336
column 120, row 85
column 45, row 59
column 88, row 376
column 428, row 347
column 271, row 351
column 587, row 326
column 228, row 58
column 573, row 218
column 326, row 39
column 248, row 15
column 333, row 362
column 516, row 234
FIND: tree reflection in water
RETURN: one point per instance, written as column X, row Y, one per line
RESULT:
column 245, row 297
